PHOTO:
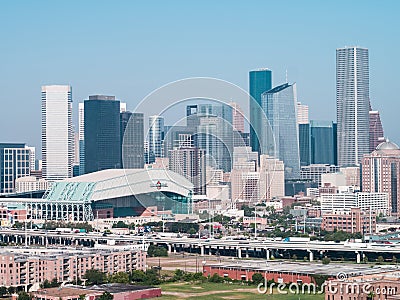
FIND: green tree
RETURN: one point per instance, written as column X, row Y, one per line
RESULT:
column 120, row 224
column 257, row 278
column 215, row 278
column 154, row 251
column 380, row 260
column 106, row 296
column 24, row 296
column 137, row 276
column 3, row 290
column 120, row 277
column 93, row 276
column 326, row 260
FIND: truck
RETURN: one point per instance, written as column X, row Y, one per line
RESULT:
column 295, row 239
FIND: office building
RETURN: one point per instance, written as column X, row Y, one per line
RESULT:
column 260, row 81
column 132, row 140
column 178, row 137
column 190, row 163
column 302, row 113
column 376, row 134
column 305, row 144
column 314, row 172
column 322, row 142
column 57, row 132
column 102, row 133
column 32, row 157
column 81, row 134
column 272, row 173
column 14, row 163
column 355, row 220
column 280, row 105
column 381, row 173
column 155, row 136
column 237, row 117
column 352, row 104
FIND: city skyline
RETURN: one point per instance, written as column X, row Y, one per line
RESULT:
column 200, row 52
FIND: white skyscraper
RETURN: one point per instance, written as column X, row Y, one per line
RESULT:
column 156, row 135
column 352, row 104
column 57, row 132
column 302, row 114
column 81, row 133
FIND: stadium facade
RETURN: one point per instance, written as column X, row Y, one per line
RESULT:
column 121, row 192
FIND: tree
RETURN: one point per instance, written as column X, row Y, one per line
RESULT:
column 326, row 260
column 120, row 224
column 24, row 296
column 120, row 277
column 154, row 251
column 380, row 260
column 106, row 296
column 93, row 276
column 3, row 290
column 257, row 278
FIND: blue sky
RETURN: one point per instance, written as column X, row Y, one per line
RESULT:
column 130, row 48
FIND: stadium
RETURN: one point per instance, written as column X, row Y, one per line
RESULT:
column 112, row 193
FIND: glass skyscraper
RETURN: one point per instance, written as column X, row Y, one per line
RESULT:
column 260, row 81
column 280, row 105
column 352, row 103
column 322, row 142
column 57, row 132
column 132, row 140
column 156, row 136
column 102, row 133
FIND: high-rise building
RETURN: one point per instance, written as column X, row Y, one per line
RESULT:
column 352, row 104
column 32, row 157
column 57, row 132
column 237, row 117
column 102, row 133
column 260, row 81
column 381, row 173
column 81, row 133
column 190, row 163
column 156, row 136
column 132, row 140
column 314, row 172
column 304, row 144
column 302, row 113
column 376, row 135
column 280, row 105
column 322, row 142
column 14, row 163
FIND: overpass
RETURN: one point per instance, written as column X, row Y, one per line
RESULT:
column 237, row 248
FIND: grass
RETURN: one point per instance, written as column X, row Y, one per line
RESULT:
column 224, row 291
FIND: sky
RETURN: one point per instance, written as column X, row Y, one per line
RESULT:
column 130, row 48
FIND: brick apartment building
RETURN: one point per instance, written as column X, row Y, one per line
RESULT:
column 351, row 221
column 20, row 267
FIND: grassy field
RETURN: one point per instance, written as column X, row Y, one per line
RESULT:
column 222, row 291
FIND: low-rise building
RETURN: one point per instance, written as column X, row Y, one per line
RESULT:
column 20, row 267
column 351, row 221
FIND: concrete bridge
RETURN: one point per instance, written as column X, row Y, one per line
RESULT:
column 236, row 248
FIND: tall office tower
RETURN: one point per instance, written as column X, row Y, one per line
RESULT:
column 57, row 132
column 272, row 174
column 32, row 157
column 102, row 133
column 280, row 105
column 81, row 131
column 122, row 107
column 322, row 142
column 132, row 140
column 304, row 134
column 214, row 135
column 376, row 135
column 302, row 113
column 178, row 137
column 190, row 163
column 260, row 81
column 381, row 173
column 156, row 136
column 237, row 117
column 14, row 163
column 352, row 104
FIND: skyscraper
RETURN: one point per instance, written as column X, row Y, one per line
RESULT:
column 191, row 163
column 14, row 163
column 352, row 104
column 322, row 142
column 81, row 131
column 132, row 140
column 260, row 81
column 280, row 105
column 102, row 133
column 57, row 132
column 376, row 135
column 304, row 134
column 237, row 117
column 156, row 136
